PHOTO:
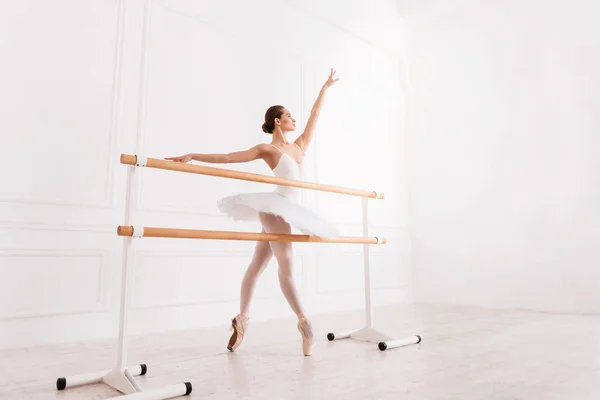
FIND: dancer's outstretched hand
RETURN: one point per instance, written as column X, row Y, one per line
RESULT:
column 183, row 159
column 331, row 79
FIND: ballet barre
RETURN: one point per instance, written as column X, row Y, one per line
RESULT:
column 368, row 333
column 137, row 231
column 122, row 376
column 141, row 161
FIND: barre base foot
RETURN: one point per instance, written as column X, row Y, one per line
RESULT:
column 392, row 344
column 123, row 380
column 167, row 392
column 339, row 335
column 370, row 335
column 384, row 342
column 97, row 377
column 364, row 334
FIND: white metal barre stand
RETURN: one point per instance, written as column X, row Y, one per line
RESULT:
column 368, row 333
column 121, row 377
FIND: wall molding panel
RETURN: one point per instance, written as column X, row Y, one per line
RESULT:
column 14, row 264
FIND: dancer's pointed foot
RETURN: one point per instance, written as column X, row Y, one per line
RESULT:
column 305, row 328
column 238, row 326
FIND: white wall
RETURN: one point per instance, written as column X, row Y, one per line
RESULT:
column 503, row 134
column 70, row 77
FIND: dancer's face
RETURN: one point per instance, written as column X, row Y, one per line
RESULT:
column 287, row 123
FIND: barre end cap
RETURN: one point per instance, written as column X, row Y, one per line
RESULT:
column 378, row 195
column 125, row 230
column 128, row 159
column 61, row 383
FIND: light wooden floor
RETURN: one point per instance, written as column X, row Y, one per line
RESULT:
column 466, row 353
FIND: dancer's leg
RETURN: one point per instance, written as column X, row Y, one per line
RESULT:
column 260, row 260
column 284, row 254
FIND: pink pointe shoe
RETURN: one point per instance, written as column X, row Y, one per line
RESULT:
column 238, row 326
column 305, row 329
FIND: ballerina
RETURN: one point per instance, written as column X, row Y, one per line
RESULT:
column 277, row 210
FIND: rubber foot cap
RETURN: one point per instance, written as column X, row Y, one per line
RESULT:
column 188, row 388
column 382, row 346
column 61, row 383
column 330, row 336
column 419, row 339
column 144, row 369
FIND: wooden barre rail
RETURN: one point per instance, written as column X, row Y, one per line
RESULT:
column 127, row 230
column 246, row 176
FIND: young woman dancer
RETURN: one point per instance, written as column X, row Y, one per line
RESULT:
column 277, row 211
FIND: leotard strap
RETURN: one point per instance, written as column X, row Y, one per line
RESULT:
column 276, row 148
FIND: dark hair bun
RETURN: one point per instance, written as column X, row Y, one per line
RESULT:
column 266, row 128
column 273, row 112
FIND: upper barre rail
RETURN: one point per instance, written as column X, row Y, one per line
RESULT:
column 246, row 176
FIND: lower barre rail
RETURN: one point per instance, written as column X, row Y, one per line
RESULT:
column 181, row 233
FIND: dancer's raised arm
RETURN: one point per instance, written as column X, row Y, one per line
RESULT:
column 254, row 153
column 304, row 140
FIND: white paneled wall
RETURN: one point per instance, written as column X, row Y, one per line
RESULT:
column 83, row 82
column 504, row 143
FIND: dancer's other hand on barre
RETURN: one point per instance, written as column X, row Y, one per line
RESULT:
column 182, row 159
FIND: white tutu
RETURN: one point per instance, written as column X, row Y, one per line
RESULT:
column 247, row 206
column 282, row 202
